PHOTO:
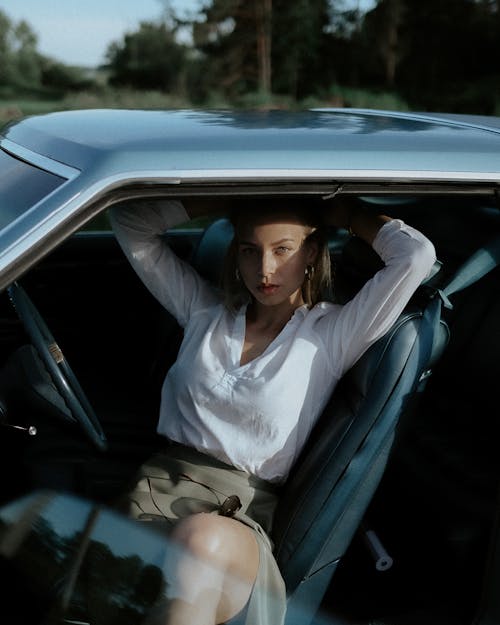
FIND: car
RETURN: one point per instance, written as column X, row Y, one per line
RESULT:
column 421, row 545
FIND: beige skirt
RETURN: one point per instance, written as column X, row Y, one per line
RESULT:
column 182, row 481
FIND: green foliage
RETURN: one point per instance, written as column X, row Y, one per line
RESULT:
column 18, row 58
column 147, row 59
column 225, row 35
column 431, row 55
column 341, row 96
column 55, row 75
column 300, row 47
column 123, row 98
column 445, row 53
column 29, row 81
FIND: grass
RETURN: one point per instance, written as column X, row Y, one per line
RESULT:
column 14, row 108
column 366, row 98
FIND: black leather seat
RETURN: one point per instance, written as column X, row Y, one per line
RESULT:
column 334, row 480
column 324, row 500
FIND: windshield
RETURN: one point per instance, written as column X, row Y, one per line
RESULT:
column 22, row 186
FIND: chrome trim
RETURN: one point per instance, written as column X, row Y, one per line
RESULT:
column 419, row 117
column 302, row 175
column 38, row 160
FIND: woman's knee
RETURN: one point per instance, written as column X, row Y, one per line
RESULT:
column 217, row 554
column 225, row 542
column 201, row 534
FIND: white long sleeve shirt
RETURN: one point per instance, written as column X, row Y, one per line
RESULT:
column 257, row 416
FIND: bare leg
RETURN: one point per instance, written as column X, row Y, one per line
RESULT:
column 215, row 571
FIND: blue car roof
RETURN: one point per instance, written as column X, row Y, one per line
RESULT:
column 323, row 140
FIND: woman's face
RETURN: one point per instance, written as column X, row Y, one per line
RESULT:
column 272, row 258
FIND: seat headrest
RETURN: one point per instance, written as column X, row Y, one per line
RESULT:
column 208, row 257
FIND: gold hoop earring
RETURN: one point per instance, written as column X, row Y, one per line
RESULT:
column 309, row 272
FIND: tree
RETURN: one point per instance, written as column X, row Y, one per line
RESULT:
column 27, row 59
column 267, row 46
column 60, row 77
column 300, row 37
column 226, row 36
column 391, row 20
column 6, row 65
column 450, row 56
column 382, row 43
column 438, row 54
column 19, row 60
column 150, row 58
column 263, row 17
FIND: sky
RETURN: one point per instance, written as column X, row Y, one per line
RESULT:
column 78, row 32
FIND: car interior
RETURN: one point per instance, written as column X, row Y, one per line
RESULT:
column 403, row 464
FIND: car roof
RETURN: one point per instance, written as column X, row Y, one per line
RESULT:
column 348, row 142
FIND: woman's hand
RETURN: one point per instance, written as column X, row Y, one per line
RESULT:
column 204, row 207
column 339, row 212
column 349, row 213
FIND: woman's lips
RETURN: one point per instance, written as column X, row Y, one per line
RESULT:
column 268, row 289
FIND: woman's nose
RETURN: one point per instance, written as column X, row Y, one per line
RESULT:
column 267, row 265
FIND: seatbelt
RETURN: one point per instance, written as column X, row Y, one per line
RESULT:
column 471, row 271
column 475, row 267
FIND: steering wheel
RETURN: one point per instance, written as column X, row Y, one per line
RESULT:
column 57, row 366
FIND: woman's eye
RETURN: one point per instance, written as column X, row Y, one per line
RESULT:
column 282, row 250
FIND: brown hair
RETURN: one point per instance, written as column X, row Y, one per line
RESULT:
column 317, row 283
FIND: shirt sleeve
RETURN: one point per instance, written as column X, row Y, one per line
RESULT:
column 408, row 257
column 139, row 227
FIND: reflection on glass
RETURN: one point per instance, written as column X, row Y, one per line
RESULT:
column 86, row 562
column 22, row 186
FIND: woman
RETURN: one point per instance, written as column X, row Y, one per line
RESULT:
column 257, row 364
